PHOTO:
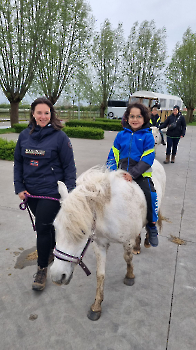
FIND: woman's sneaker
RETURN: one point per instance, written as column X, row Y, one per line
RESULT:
column 153, row 235
column 40, row 279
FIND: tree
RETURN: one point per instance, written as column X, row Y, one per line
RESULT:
column 144, row 57
column 106, row 57
column 181, row 72
column 67, row 42
column 23, row 24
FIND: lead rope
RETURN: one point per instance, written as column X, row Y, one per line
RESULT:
column 24, row 205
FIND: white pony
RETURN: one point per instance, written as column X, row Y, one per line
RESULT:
column 114, row 209
column 157, row 136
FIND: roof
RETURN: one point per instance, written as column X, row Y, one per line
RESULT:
column 154, row 95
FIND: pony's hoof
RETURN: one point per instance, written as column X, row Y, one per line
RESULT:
column 93, row 315
column 129, row 281
column 136, row 251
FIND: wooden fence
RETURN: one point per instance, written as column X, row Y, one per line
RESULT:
column 63, row 115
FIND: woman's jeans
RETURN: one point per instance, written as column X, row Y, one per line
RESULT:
column 172, row 144
column 45, row 211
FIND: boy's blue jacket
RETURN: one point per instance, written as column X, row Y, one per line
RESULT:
column 41, row 159
column 133, row 151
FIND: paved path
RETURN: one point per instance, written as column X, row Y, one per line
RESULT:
column 157, row 313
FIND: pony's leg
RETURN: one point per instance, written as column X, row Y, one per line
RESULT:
column 128, row 256
column 100, row 251
column 137, row 247
column 146, row 241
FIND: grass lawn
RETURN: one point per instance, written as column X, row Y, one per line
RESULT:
column 7, row 131
column 192, row 124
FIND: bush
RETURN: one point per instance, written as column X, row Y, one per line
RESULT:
column 7, row 149
column 84, row 132
column 20, row 127
column 112, row 126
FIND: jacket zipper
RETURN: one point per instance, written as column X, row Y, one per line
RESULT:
column 129, row 151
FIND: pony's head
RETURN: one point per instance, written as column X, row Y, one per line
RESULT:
column 73, row 225
column 156, row 134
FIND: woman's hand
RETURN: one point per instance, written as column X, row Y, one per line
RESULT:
column 127, row 177
column 22, row 194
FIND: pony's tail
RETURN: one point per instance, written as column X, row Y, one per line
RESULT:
column 160, row 220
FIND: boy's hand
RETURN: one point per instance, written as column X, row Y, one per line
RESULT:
column 127, row 177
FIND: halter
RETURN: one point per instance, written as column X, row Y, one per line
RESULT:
column 74, row 259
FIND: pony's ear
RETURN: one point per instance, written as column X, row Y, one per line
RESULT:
column 62, row 190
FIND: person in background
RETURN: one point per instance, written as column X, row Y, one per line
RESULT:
column 155, row 120
column 176, row 129
column 43, row 156
column 133, row 151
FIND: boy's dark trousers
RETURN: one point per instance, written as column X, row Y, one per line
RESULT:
column 147, row 187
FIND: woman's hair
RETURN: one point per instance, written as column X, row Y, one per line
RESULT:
column 55, row 122
column 144, row 111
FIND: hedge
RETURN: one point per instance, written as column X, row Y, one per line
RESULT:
column 78, row 132
column 20, row 127
column 7, row 149
column 112, row 126
column 105, row 120
column 84, row 132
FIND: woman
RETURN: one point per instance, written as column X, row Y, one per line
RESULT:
column 176, row 129
column 43, row 156
column 133, row 151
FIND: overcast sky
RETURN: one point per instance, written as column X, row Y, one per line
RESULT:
column 175, row 15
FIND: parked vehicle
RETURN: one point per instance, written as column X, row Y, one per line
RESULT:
column 116, row 109
column 165, row 103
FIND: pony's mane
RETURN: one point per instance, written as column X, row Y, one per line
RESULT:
column 89, row 197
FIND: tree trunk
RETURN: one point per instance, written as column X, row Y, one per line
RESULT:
column 190, row 114
column 14, row 113
column 102, row 110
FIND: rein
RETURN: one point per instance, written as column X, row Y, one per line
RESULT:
column 24, row 205
column 74, row 259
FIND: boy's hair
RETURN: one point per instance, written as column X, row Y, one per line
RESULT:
column 154, row 107
column 144, row 111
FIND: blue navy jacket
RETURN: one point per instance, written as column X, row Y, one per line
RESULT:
column 41, row 159
column 133, row 151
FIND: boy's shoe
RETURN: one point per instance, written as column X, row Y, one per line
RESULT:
column 40, row 279
column 153, row 235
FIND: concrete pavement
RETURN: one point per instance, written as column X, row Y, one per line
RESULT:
column 157, row 313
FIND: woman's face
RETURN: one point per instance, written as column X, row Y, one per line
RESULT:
column 135, row 119
column 175, row 111
column 42, row 114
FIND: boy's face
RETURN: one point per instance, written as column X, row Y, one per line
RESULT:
column 135, row 119
column 154, row 111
